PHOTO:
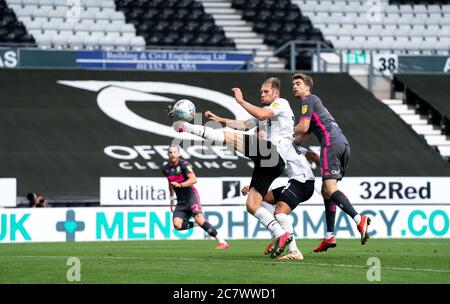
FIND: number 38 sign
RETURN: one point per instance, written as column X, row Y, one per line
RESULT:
column 386, row 63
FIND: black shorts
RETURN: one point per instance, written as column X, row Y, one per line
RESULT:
column 268, row 163
column 188, row 207
column 294, row 192
column 334, row 161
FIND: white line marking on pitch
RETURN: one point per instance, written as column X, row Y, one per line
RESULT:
column 234, row 261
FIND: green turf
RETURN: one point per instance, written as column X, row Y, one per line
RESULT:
column 402, row 261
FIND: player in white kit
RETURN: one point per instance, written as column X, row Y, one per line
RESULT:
column 270, row 156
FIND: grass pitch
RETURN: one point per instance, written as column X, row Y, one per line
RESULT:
column 196, row 262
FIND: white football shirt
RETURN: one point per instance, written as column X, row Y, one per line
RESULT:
column 281, row 125
column 280, row 131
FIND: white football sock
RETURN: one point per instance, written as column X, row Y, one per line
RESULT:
column 269, row 221
column 205, row 132
column 219, row 239
column 357, row 219
column 329, row 235
column 286, row 222
column 269, row 207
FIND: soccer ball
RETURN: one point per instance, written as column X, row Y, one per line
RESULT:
column 184, row 110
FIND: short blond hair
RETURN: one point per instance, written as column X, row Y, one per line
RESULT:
column 274, row 82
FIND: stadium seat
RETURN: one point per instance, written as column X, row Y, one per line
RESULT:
column 282, row 21
column 44, row 16
column 161, row 22
column 395, row 19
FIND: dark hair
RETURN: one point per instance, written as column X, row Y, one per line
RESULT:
column 274, row 82
column 31, row 196
column 306, row 79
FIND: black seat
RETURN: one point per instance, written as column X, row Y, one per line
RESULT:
column 177, row 26
column 278, row 15
column 185, row 4
column 274, row 27
column 155, row 39
column 217, row 38
column 170, row 38
column 161, row 26
column 208, row 27
column 265, row 15
column 151, row 14
column 196, row 14
column 192, row 26
column 167, row 14
column 182, row 14
column 173, row 22
column 201, row 39
column 260, row 26
column 186, row 39
column 250, row 15
column 239, row 4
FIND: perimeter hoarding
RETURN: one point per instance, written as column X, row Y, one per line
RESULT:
column 8, row 192
column 120, row 191
column 155, row 223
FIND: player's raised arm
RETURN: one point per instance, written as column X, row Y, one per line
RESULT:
column 257, row 112
column 231, row 123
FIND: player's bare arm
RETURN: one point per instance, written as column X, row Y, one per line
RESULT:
column 257, row 112
column 187, row 183
column 301, row 131
column 231, row 123
column 314, row 157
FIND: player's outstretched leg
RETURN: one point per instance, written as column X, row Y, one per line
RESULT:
column 363, row 227
column 361, row 221
column 199, row 130
column 232, row 139
column 329, row 190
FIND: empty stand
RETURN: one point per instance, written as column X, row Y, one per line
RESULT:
column 394, row 26
column 94, row 25
column 173, row 23
column 241, row 32
column 280, row 21
column 420, row 2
